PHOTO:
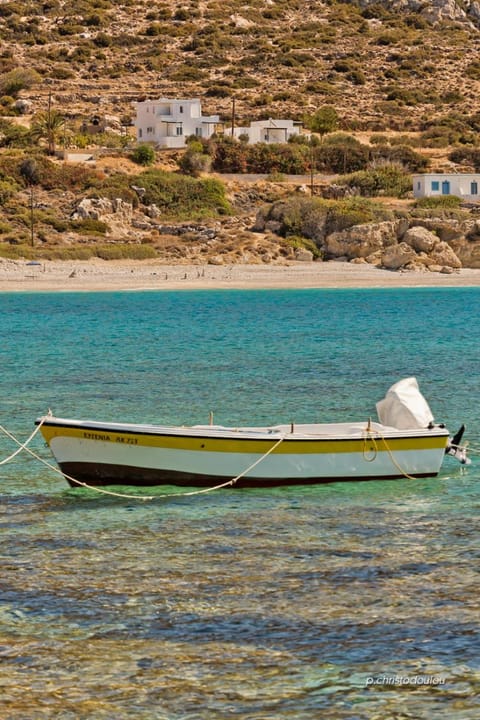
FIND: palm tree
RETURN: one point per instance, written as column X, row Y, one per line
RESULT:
column 46, row 125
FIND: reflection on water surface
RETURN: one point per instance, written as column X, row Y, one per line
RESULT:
column 243, row 604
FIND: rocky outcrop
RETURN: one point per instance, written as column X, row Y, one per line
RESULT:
column 399, row 244
column 468, row 252
column 361, row 240
column 102, row 209
column 398, row 256
column 117, row 214
column 303, row 255
column 430, row 249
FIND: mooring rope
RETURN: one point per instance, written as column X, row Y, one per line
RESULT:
column 472, row 450
column 23, row 446
column 374, row 450
column 370, row 435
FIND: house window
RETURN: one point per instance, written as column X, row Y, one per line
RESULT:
column 435, row 185
column 149, row 130
column 474, row 188
column 140, row 132
column 179, row 130
column 180, row 109
column 446, row 187
column 198, row 132
column 419, row 185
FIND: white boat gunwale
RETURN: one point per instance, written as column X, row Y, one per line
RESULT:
column 289, row 432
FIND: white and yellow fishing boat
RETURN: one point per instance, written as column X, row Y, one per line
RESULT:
column 405, row 443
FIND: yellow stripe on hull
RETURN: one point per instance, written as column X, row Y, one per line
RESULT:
column 367, row 445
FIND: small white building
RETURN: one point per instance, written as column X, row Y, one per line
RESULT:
column 463, row 185
column 168, row 123
column 267, row 131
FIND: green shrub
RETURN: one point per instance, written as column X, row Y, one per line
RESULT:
column 69, row 28
column 6, row 101
column 263, row 99
column 220, row 91
column 285, row 158
column 236, row 156
column 119, row 251
column 341, row 157
column 400, row 154
column 390, row 180
column 89, row 226
column 102, row 39
column 117, row 185
column 61, row 72
column 230, row 156
column 300, row 216
column 245, row 81
column 188, row 73
column 466, row 156
column 473, row 70
column 180, row 196
column 194, row 161
column 18, row 79
column 439, row 201
column 379, row 139
column 58, row 224
column 297, row 241
column 324, row 120
column 8, row 188
column 143, row 155
column 95, row 20
column 354, row 211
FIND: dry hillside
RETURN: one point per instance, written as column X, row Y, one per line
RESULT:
column 383, row 65
column 404, row 71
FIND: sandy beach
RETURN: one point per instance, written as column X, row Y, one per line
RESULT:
column 98, row 275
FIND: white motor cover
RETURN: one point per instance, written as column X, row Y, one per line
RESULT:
column 404, row 406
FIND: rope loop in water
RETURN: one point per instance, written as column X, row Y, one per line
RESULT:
column 22, row 446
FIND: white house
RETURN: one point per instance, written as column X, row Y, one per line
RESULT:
column 267, row 131
column 169, row 122
column 464, row 185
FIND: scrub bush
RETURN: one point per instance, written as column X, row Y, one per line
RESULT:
column 181, row 196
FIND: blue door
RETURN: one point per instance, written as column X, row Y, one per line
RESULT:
column 446, row 187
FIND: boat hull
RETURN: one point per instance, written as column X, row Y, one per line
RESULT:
column 101, row 475
column 100, row 454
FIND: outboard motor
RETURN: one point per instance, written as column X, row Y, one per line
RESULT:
column 456, row 450
column 405, row 408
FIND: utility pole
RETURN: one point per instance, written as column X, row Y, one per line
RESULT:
column 311, row 167
column 233, row 116
column 49, row 124
column 32, row 239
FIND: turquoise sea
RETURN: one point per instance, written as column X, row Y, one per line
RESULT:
column 355, row 601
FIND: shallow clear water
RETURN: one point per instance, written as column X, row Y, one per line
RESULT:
column 354, row 600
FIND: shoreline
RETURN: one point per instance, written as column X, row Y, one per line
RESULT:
column 116, row 275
